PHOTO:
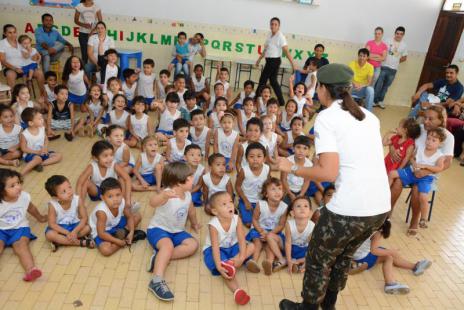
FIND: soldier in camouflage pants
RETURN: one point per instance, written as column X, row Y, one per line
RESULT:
column 333, row 243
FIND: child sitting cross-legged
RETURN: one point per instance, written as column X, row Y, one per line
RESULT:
column 112, row 221
column 216, row 180
column 166, row 230
column 148, row 167
column 225, row 248
column 67, row 218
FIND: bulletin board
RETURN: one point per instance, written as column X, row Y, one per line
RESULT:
column 56, row 3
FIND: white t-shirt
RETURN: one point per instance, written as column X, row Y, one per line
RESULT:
column 13, row 214
column 88, row 15
column 295, row 183
column 172, row 216
column 12, row 54
column 94, row 41
column 362, row 185
column 9, row 139
column 273, row 45
column 28, row 61
column 395, row 51
column 447, row 147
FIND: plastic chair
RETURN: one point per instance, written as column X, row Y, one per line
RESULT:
column 126, row 55
column 431, row 201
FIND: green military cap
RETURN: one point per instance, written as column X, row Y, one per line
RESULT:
column 335, row 74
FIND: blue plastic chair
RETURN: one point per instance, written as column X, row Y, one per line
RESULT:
column 126, row 55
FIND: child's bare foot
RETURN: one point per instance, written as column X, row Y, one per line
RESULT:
column 423, row 223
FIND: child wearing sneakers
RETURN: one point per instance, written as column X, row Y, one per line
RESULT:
column 226, row 140
column 250, row 180
column 192, row 156
column 298, row 231
column 370, row 253
column 34, row 143
column 176, row 146
column 149, row 166
column 166, row 230
column 216, row 180
column 200, row 134
column 112, row 221
column 269, row 217
column 14, row 225
column 67, row 219
column 225, row 247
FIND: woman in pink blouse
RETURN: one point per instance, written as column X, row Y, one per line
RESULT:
column 378, row 52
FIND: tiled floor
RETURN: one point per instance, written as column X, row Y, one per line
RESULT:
column 81, row 278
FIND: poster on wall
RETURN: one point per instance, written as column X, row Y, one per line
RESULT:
column 56, row 3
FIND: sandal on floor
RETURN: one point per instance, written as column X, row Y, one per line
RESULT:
column 277, row 266
column 423, row 223
column 412, row 232
column 53, row 137
column 86, row 243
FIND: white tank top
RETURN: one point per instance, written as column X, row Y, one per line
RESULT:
column 226, row 85
column 300, row 104
column 212, row 99
column 34, row 142
column 363, row 250
column 290, row 138
column 145, row 85
column 13, row 214
column 167, row 120
column 172, row 216
column 269, row 144
column 226, row 143
column 253, row 184
column 296, row 183
column 261, row 106
column 269, row 220
column 111, row 220
column 200, row 140
column 421, row 158
column 214, row 188
column 215, row 118
column 19, row 108
column 66, row 217
column 245, row 119
column 95, row 108
column 198, row 173
column 9, row 139
column 284, row 123
column 114, row 120
column 146, row 166
column 76, row 84
column 199, row 85
column 140, row 126
column 129, row 92
column 243, row 96
column 162, row 91
column 96, row 176
column 181, row 97
column 119, row 152
column 226, row 239
column 177, row 154
column 301, row 239
column 110, row 96
column 50, row 93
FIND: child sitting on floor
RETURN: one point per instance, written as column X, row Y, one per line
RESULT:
column 168, row 114
column 226, row 140
column 122, row 154
column 166, row 230
column 200, row 134
column 149, row 166
column 192, row 156
column 9, row 138
column 216, row 180
column 225, row 247
column 176, row 146
column 140, row 125
column 67, row 219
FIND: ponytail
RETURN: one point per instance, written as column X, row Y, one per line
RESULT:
column 385, row 228
column 343, row 91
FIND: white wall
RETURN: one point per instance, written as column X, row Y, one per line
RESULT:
column 346, row 20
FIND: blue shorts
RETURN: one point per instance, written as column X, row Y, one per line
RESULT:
column 30, row 157
column 254, row 234
column 148, row 101
column 225, row 253
column 238, row 106
column 245, row 214
column 196, row 198
column 30, row 67
column 165, row 132
column 122, row 223
column 299, row 251
column 312, row 189
column 98, row 196
column 104, row 120
column 68, row 227
column 156, row 234
column 75, row 99
column 227, row 162
column 407, row 177
column 149, row 178
column 10, row 236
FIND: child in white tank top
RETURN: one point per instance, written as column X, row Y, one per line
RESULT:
column 96, row 108
column 140, row 125
column 148, row 167
column 296, row 129
column 168, row 113
column 166, row 229
column 199, row 133
column 228, row 239
column 192, row 155
column 226, row 141
column 9, row 138
column 216, row 180
column 176, row 146
column 118, row 116
column 220, row 107
column 298, row 231
column 244, row 115
column 67, row 218
column 270, row 139
column 122, row 154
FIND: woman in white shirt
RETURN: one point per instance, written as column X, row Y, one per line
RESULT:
column 349, row 146
column 86, row 17
column 273, row 47
column 98, row 44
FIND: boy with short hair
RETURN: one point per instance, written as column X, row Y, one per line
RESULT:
column 190, row 105
column 108, row 67
column 200, row 134
column 146, row 82
column 176, row 146
column 129, row 85
column 161, row 83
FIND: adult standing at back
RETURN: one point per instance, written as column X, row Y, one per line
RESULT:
column 273, row 47
column 349, row 146
column 397, row 53
column 86, row 17
column 378, row 52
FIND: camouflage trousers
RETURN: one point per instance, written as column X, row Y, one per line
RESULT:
column 333, row 243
